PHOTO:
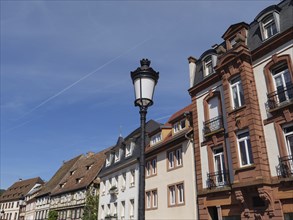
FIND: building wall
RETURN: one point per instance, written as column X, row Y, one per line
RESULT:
column 262, row 90
column 130, row 192
column 11, row 210
column 164, row 178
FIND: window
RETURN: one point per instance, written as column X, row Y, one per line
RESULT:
column 123, row 182
column 283, row 84
column 103, row 187
column 109, row 160
column 156, row 138
column 115, row 209
column 245, row 151
column 122, row 212
column 172, row 195
column 129, row 149
column 151, row 167
column 237, row 93
column 269, row 26
column 117, row 155
column 179, row 126
column 132, row 178
column 176, row 194
column 151, row 199
column 131, row 213
column 208, row 66
column 288, row 135
column 102, row 212
column 175, row 158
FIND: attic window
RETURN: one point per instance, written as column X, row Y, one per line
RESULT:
column 269, row 25
column 88, row 167
column 117, row 155
column 78, row 180
column 61, row 185
column 179, row 126
column 208, row 66
column 129, row 149
column 109, row 160
column 72, row 172
column 156, row 138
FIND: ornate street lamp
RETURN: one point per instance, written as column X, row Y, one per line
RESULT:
column 144, row 79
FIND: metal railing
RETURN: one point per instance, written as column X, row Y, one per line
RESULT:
column 280, row 97
column 213, row 125
column 285, row 167
column 218, row 179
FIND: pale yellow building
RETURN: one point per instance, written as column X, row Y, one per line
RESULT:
column 170, row 172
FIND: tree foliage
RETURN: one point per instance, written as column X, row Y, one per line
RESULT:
column 53, row 215
column 91, row 208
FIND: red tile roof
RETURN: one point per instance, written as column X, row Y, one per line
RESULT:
column 179, row 113
column 19, row 189
column 82, row 173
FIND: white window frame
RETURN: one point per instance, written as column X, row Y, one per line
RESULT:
column 172, row 195
column 155, row 198
column 171, row 162
column 180, row 193
column 132, row 178
column 131, row 208
column 267, row 20
column 246, row 140
column 208, row 66
column 237, row 83
column 156, row 138
column 129, row 149
column 117, row 155
column 180, row 125
column 122, row 210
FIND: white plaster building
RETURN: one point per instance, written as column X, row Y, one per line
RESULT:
column 120, row 178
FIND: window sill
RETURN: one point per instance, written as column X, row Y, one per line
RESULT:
column 237, row 109
column 248, row 167
column 174, row 168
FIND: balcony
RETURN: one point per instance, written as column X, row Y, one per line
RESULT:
column 280, row 98
column 285, row 167
column 213, row 125
column 218, row 179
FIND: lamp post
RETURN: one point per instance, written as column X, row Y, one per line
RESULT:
column 144, row 79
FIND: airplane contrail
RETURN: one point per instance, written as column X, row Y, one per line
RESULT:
column 82, row 78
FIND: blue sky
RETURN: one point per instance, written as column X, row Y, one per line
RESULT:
column 65, row 71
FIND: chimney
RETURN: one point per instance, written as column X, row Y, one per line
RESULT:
column 89, row 154
column 192, row 67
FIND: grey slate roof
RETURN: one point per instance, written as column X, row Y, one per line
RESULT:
column 121, row 143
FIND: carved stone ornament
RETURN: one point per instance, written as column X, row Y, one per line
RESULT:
column 240, row 198
column 265, row 193
column 215, row 140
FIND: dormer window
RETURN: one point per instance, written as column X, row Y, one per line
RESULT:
column 117, row 155
column 109, row 160
column 61, row 185
column 269, row 25
column 208, row 66
column 78, row 180
column 179, row 126
column 89, row 167
column 129, row 148
column 72, row 172
column 233, row 42
column 156, row 138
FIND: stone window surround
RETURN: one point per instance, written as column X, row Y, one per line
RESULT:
column 175, row 166
column 152, row 207
column 150, row 160
column 175, row 185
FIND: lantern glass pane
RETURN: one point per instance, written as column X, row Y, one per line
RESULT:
column 144, row 90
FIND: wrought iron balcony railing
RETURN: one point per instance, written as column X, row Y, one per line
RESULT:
column 218, row 179
column 285, row 167
column 213, row 125
column 280, row 97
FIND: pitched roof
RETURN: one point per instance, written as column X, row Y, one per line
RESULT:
column 181, row 112
column 54, row 181
column 82, row 173
column 19, row 189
